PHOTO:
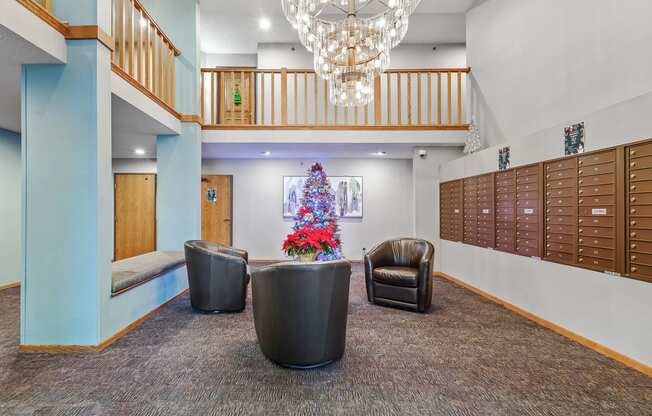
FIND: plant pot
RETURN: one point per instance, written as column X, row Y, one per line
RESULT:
column 307, row 258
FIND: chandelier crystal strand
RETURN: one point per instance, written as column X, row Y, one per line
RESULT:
column 351, row 41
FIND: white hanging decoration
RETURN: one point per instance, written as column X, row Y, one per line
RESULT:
column 473, row 142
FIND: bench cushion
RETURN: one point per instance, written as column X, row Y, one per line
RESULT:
column 134, row 271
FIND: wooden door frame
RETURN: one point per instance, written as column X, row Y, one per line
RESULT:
column 155, row 208
column 232, row 211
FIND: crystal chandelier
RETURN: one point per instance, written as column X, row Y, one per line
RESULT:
column 350, row 40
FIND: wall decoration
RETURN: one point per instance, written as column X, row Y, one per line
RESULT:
column 504, row 162
column 348, row 192
column 473, row 142
column 574, row 139
column 211, row 195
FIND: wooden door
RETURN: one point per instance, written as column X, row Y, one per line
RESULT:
column 217, row 208
column 135, row 215
column 236, row 98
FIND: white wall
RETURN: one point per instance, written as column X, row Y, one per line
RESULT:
column 134, row 165
column 537, row 68
column 258, row 223
column 10, row 185
column 536, row 65
column 239, row 60
column 425, row 179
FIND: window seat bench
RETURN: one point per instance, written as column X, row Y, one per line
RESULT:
column 135, row 271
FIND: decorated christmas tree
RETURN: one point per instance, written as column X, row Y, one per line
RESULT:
column 315, row 227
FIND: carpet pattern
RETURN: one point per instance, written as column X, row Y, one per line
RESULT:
column 466, row 357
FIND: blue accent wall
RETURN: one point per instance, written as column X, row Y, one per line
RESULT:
column 10, row 271
column 66, row 161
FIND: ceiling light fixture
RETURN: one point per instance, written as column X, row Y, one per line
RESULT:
column 139, row 151
column 264, row 23
column 266, row 153
column 352, row 48
column 379, row 153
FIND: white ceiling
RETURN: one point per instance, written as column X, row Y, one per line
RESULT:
column 232, row 26
column 132, row 129
column 15, row 51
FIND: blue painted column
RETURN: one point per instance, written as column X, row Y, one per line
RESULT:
column 179, row 157
column 66, row 198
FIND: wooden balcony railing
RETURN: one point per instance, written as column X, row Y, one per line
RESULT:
column 143, row 54
column 286, row 98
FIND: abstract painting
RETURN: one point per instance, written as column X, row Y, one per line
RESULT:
column 348, row 193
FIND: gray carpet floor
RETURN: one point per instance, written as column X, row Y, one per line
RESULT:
column 466, row 357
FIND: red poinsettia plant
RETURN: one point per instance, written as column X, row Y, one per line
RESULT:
column 307, row 241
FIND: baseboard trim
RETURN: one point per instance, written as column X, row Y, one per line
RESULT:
column 606, row 351
column 67, row 349
column 10, row 286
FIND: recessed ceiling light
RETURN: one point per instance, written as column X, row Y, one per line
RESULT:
column 266, row 153
column 264, row 23
column 139, row 151
column 379, row 153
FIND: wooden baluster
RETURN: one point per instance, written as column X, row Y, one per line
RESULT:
column 459, row 97
column 439, row 98
column 409, row 97
column 325, row 102
column 154, row 54
column 429, row 98
column 219, row 95
column 148, row 49
column 419, row 98
column 252, row 97
column 231, row 92
column 336, row 110
column 262, row 98
column 273, row 97
column 389, row 98
column 346, row 115
column 139, row 49
column 296, row 98
column 284, row 96
column 172, row 68
column 160, row 64
column 130, row 37
column 201, row 95
column 315, row 101
column 122, row 34
column 377, row 103
column 305, row 98
column 242, row 85
column 114, row 29
column 355, row 115
column 213, row 100
column 450, row 99
column 398, row 99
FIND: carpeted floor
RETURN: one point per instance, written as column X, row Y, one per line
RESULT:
column 466, row 357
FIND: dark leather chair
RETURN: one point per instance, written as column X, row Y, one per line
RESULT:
column 217, row 276
column 300, row 312
column 398, row 273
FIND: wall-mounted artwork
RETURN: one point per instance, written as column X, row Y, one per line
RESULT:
column 504, row 162
column 574, row 139
column 348, row 191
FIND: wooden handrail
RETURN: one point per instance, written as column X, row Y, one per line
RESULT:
column 142, row 50
column 297, row 98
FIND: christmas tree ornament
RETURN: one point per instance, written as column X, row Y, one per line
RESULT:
column 316, row 229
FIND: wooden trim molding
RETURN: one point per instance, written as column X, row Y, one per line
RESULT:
column 606, row 351
column 10, row 286
column 144, row 90
column 454, row 127
column 66, row 349
column 90, row 32
column 191, row 118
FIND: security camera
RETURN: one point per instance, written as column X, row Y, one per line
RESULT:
column 423, row 154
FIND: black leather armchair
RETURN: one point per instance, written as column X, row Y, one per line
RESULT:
column 398, row 273
column 217, row 276
column 300, row 312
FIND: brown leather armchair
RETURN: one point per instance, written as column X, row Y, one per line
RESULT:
column 398, row 273
column 217, row 276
